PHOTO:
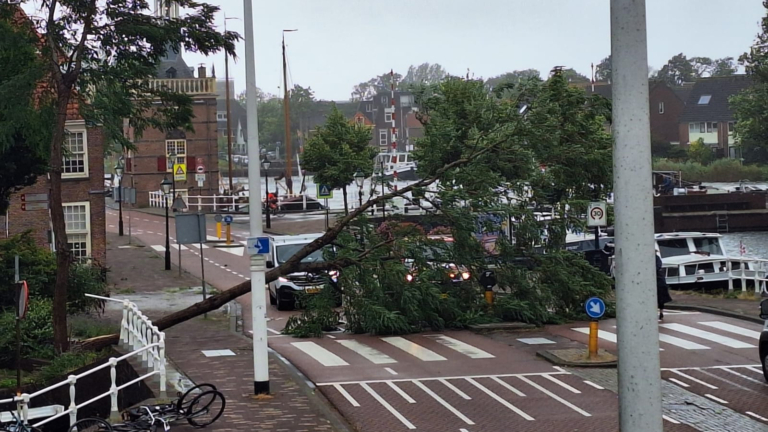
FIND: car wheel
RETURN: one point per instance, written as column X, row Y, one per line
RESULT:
column 282, row 304
column 765, row 368
column 272, row 299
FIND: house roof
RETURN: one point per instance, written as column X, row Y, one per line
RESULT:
column 715, row 108
column 603, row 89
column 683, row 91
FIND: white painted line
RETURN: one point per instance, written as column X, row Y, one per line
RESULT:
column 273, row 331
column 234, row 251
column 462, row 347
column 150, row 232
column 602, row 334
column 536, row 341
column 743, row 376
column 390, row 370
column 176, row 246
column 678, row 382
column 555, row 397
column 754, row 369
column 197, row 246
column 322, row 355
column 463, row 430
column 695, row 380
column 158, row 248
column 730, row 328
column 455, row 389
column 331, row 336
column 498, row 399
column 716, row 399
column 682, row 343
column 508, row 387
column 714, row 337
column 444, row 377
column 389, row 408
column 346, row 395
column 401, row 392
column 670, row 419
column 373, row 355
column 413, row 349
column 562, row 384
column 590, row 383
column 218, row 353
column 444, row 403
column 757, row 416
column 713, row 367
column 111, row 226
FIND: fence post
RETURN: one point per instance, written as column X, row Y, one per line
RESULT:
column 124, row 324
column 163, row 394
column 757, row 278
column 730, row 275
column 114, row 413
column 72, row 405
column 743, row 276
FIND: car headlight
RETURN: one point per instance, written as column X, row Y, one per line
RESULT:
column 333, row 274
column 451, row 275
column 282, row 279
column 465, row 275
column 409, row 277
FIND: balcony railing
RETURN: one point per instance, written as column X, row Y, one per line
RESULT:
column 189, row 86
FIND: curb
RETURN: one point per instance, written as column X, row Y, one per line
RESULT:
column 546, row 355
column 510, row 326
column 715, row 311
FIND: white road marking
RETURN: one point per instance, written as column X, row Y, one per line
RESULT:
column 389, row 407
column 606, row 335
column 555, row 397
column 158, row 248
column 176, row 246
column 757, row 416
column 444, row 377
column 742, row 376
column 331, row 336
column 678, row 382
column 401, row 392
column 234, row 251
column 455, row 389
column 373, row 355
column 346, row 395
column 716, row 399
column 273, row 331
column 444, row 403
column 413, row 349
column 730, row 328
column 682, row 343
column 322, row 355
column 111, row 226
column 754, row 369
column 508, row 387
column 460, row 346
column 463, row 430
column 590, row 383
column 722, row 340
column 536, row 341
column 562, row 384
column 390, row 370
column 197, row 246
column 695, row 380
column 498, row 399
column 150, row 232
column 670, row 419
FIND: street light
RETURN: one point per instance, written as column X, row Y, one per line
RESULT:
column 166, row 185
column 119, row 168
column 265, row 165
column 360, row 179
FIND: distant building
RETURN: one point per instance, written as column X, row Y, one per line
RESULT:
column 238, row 123
column 376, row 112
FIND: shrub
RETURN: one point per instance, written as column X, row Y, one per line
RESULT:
column 721, row 170
column 36, row 333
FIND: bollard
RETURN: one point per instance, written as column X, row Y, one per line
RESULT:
column 489, row 295
column 218, row 230
column 593, row 332
column 229, row 235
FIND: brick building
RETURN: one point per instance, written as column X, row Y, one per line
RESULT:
column 376, row 112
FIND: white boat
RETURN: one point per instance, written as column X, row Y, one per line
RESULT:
column 402, row 163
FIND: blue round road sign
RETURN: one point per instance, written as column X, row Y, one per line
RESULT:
column 228, row 219
column 595, row 307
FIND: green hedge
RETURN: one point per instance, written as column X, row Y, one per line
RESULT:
column 721, row 170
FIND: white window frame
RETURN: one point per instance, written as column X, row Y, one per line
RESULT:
column 731, row 128
column 661, row 107
column 383, row 137
column 86, row 231
column 369, row 107
column 384, row 100
column 221, row 115
column 76, row 130
column 406, row 100
column 180, row 157
column 388, row 117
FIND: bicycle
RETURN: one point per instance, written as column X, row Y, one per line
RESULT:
column 17, row 425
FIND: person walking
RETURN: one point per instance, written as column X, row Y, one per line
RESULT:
column 662, row 289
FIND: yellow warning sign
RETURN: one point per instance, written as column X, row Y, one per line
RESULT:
column 180, row 172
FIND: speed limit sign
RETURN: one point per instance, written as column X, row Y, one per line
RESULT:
column 597, row 215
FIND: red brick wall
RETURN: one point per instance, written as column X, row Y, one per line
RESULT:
column 203, row 142
column 89, row 189
column 665, row 127
column 685, row 138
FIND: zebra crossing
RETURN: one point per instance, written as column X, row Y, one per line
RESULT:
column 238, row 249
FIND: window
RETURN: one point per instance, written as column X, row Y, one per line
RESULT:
column 384, row 100
column 368, row 107
column 675, row 247
column 221, row 115
column 75, row 163
column 712, row 127
column 78, row 227
column 704, row 99
column 731, row 127
column 661, row 107
column 175, row 146
column 708, row 246
column 406, row 100
column 388, row 117
column 383, row 137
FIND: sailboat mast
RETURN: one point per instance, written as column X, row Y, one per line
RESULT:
column 286, row 109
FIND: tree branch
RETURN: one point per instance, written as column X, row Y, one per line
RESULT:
column 78, row 53
column 56, row 70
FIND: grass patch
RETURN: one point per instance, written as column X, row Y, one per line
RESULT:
column 57, row 370
column 124, row 291
column 86, row 327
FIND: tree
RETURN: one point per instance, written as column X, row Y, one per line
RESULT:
column 337, row 150
column 702, row 66
column 374, row 86
column 677, row 71
column 725, row 66
column 573, row 77
column 603, row 70
column 103, row 56
column 425, row 73
column 700, row 152
column 23, row 149
column 514, row 77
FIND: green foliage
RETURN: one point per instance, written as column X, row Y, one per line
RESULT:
column 36, row 333
column 700, row 153
column 750, row 109
column 721, row 170
column 65, row 363
column 677, row 71
column 603, row 70
column 318, row 315
column 514, row 77
column 86, row 326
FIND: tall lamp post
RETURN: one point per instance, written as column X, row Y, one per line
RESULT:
column 119, row 168
column 268, row 208
column 359, row 180
column 165, row 185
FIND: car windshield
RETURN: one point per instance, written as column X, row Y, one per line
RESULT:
column 709, row 245
column 670, row 248
column 285, row 252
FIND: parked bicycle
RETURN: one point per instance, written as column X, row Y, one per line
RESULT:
column 17, row 425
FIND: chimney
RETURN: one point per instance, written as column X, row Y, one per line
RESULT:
column 201, row 71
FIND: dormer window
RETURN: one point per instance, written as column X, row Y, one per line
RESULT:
column 170, row 73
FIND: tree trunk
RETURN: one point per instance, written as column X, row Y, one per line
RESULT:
column 346, row 207
column 63, row 259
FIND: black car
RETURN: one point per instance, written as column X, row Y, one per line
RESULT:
column 764, row 338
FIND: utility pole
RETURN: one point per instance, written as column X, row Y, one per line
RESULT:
column 229, row 127
column 638, row 333
column 287, row 115
column 258, row 269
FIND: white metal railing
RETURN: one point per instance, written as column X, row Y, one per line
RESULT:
column 137, row 333
column 185, row 85
column 202, row 203
column 759, row 278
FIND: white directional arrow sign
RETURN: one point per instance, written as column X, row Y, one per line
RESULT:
column 595, row 307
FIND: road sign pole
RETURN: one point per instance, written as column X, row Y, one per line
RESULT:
column 593, row 332
column 327, row 214
column 202, row 268
column 258, row 277
column 638, row 332
column 597, row 238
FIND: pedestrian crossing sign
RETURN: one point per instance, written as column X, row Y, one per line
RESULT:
column 324, row 192
column 180, row 172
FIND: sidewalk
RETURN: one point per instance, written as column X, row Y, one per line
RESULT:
column 292, row 406
column 747, row 309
